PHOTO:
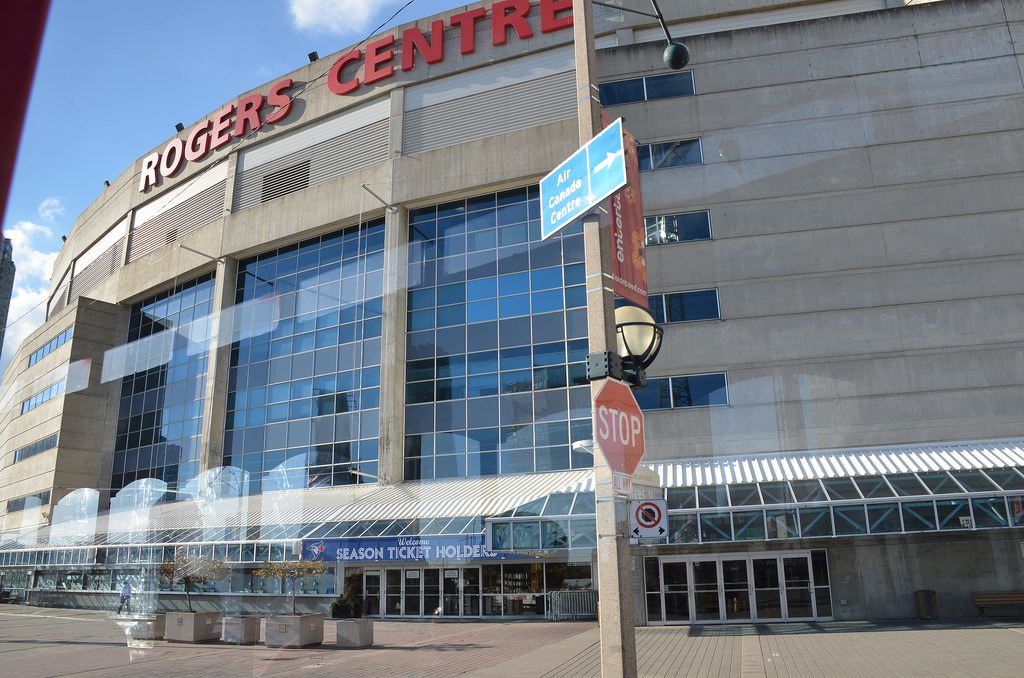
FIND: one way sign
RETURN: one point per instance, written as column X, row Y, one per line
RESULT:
column 648, row 518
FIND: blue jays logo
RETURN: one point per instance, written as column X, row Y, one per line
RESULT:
column 316, row 550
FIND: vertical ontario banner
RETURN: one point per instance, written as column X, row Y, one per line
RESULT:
column 628, row 236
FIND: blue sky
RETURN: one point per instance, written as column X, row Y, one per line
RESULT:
column 113, row 78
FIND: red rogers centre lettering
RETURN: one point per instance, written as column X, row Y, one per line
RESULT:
column 214, row 132
column 378, row 63
column 379, row 59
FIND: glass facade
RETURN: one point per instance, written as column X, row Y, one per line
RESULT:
column 304, row 388
column 497, row 341
column 160, row 417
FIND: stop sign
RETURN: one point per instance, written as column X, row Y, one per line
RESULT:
column 619, row 426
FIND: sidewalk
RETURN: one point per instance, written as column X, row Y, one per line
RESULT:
column 45, row 642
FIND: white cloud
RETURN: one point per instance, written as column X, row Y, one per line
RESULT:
column 31, row 242
column 34, row 263
column 50, row 208
column 338, row 17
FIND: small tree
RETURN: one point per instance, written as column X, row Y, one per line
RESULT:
column 293, row 570
column 188, row 568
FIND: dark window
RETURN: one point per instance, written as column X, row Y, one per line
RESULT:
column 689, row 306
column 678, row 227
column 646, row 89
column 669, row 154
column 51, row 346
column 47, row 443
column 697, row 390
column 31, row 501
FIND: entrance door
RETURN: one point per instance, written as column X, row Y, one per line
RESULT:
column 471, row 591
column 705, row 591
column 412, row 605
column 392, row 592
column 736, row 586
column 432, row 591
column 799, row 598
column 371, row 591
column 728, row 588
column 766, row 588
column 675, row 590
column 450, row 592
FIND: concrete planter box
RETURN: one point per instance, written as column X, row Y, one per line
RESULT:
column 354, row 633
column 192, row 627
column 241, row 630
column 294, row 630
column 148, row 628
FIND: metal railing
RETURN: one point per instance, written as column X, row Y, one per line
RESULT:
column 565, row 605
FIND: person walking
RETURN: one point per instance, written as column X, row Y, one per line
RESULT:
column 126, row 598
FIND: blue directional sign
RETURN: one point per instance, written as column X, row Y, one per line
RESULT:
column 589, row 176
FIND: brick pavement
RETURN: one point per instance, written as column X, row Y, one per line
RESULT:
column 46, row 643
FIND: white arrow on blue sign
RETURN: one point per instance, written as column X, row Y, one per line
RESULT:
column 590, row 175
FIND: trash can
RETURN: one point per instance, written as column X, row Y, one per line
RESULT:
column 927, row 604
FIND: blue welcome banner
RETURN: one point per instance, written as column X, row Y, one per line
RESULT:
column 375, row 549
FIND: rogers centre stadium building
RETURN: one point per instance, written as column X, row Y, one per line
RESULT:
column 321, row 323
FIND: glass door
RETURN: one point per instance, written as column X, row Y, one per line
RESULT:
column 371, row 589
column 432, row 591
column 766, row 588
column 471, row 591
column 706, row 605
column 675, row 591
column 799, row 601
column 412, row 605
column 392, row 592
column 450, row 592
column 736, row 586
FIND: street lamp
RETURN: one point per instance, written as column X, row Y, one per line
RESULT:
column 637, row 343
column 676, row 55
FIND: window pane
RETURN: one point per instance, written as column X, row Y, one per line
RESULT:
column 623, row 92
column 715, row 527
column 699, row 390
column 669, row 154
column 918, row 516
column 690, row 306
column 667, row 86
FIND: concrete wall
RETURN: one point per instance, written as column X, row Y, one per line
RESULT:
column 866, row 229
column 84, row 415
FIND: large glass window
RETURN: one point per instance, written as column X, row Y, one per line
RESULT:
column 39, row 446
column 699, row 390
column 669, row 154
column 160, row 416
column 48, row 393
column 51, row 346
column 497, row 341
column 304, row 388
column 678, row 227
column 27, row 502
column 646, row 89
column 680, row 307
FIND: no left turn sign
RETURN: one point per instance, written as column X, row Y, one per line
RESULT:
column 647, row 518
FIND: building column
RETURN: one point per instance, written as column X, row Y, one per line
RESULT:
column 211, row 450
column 391, row 447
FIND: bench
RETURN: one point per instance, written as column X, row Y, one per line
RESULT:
column 983, row 599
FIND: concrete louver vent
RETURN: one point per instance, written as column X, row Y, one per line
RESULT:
column 312, row 165
column 170, row 225
column 518, row 106
column 93, row 274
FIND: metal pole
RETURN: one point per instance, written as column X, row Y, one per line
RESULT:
column 618, row 636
